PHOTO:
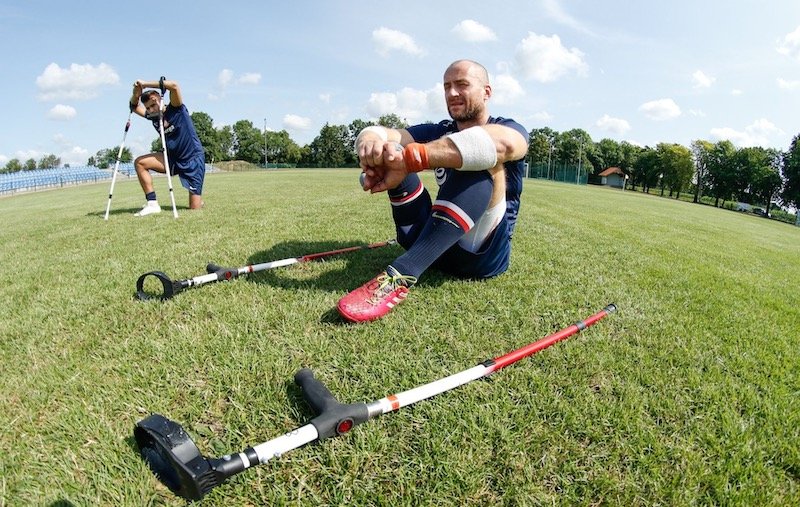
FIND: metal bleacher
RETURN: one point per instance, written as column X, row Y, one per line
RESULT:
column 41, row 179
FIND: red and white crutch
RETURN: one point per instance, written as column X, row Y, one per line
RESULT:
column 146, row 289
column 178, row 463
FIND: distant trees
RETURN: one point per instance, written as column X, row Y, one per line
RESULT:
column 107, row 157
column 716, row 170
column 791, row 175
column 46, row 162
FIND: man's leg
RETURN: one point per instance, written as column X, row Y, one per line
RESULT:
column 411, row 207
column 195, row 201
column 462, row 199
column 143, row 166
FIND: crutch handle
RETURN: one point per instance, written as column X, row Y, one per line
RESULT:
column 333, row 418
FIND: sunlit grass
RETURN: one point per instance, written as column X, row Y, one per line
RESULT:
column 690, row 394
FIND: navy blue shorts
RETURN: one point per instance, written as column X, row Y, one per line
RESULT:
column 191, row 173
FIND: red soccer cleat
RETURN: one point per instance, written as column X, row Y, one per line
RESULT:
column 375, row 298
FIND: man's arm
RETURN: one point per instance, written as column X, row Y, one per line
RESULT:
column 175, row 97
column 135, row 104
column 508, row 145
column 385, row 164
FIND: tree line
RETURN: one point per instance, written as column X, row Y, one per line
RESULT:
column 717, row 170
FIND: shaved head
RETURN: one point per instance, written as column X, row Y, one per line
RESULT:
column 472, row 68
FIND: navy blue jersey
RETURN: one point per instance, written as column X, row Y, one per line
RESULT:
column 183, row 145
column 514, row 169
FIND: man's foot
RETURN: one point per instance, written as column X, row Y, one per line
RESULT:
column 148, row 209
column 375, row 298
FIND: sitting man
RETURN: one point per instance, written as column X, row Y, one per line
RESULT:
column 478, row 164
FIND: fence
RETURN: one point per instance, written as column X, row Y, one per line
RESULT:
column 40, row 179
column 559, row 172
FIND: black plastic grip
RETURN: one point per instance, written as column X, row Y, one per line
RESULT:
column 333, row 418
column 314, row 391
column 222, row 272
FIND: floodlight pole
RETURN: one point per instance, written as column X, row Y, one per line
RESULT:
column 265, row 143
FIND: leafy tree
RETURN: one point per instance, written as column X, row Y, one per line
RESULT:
column 677, row 167
column 107, row 157
column 701, row 150
column 629, row 154
column 573, row 147
column 766, row 177
column 209, row 138
column 13, row 166
column 542, row 144
column 791, row 175
column 646, row 169
column 608, row 153
column 248, row 144
column 331, row 148
column 722, row 171
column 49, row 161
column 282, row 149
column 392, row 121
column 29, row 165
column 156, row 146
column 225, row 138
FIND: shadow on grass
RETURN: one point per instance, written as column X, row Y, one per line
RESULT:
column 131, row 211
column 360, row 265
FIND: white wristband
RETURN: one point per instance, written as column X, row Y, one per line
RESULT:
column 375, row 129
column 477, row 149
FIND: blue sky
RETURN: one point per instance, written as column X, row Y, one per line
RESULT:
column 644, row 72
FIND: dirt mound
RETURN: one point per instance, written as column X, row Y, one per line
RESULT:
column 236, row 165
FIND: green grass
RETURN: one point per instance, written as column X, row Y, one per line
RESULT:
column 689, row 395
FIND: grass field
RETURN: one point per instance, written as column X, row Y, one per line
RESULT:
column 689, row 395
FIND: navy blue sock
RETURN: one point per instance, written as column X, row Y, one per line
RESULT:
column 150, row 196
column 462, row 199
column 411, row 206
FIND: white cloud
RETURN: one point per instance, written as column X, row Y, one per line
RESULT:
column 554, row 10
column 249, row 78
column 78, row 82
column 224, row 78
column 790, row 45
column 542, row 116
column 701, row 80
column 227, row 78
column 736, row 92
column 409, row 104
column 4, row 160
column 76, row 156
column 388, row 40
column 545, row 59
column 506, row 89
column 756, row 134
column 295, row 122
column 614, row 125
column 662, row 109
column 697, row 113
column 471, row 31
column 62, row 112
column 325, row 97
column 783, row 84
column 25, row 155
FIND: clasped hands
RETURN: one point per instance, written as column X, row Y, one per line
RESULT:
column 382, row 164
